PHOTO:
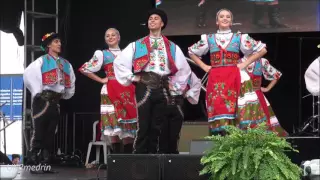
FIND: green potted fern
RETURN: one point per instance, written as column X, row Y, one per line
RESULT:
column 255, row 154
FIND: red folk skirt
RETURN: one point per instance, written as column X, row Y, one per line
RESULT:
column 123, row 122
column 123, row 99
column 222, row 95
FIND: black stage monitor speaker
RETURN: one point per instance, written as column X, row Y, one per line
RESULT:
column 182, row 167
column 133, row 167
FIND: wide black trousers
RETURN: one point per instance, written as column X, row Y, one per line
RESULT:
column 45, row 118
column 170, row 130
column 151, row 105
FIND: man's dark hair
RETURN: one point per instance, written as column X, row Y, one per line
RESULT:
column 15, row 156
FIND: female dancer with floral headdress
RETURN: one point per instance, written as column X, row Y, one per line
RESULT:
column 118, row 108
column 230, row 97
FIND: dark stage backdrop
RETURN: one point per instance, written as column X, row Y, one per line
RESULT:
column 87, row 22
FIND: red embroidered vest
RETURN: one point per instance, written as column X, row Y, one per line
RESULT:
column 141, row 56
column 50, row 70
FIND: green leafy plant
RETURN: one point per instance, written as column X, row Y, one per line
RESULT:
column 254, row 154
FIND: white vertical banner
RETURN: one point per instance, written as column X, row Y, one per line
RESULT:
column 11, row 92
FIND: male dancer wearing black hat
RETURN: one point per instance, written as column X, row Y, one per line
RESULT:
column 49, row 79
column 160, row 74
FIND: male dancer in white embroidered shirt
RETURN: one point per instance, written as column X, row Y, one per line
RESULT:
column 49, row 79
column 161, row 71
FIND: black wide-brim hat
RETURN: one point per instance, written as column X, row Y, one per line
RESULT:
column 160, row 13
column 47, row 38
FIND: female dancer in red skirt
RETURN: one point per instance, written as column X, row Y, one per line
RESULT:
column 118, row 107
column 257, row 70
column 231, row 99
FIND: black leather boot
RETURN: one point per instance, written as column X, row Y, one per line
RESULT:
column 33, row 158
column 274, row 17
column 128, row 148
column 34, row 161
column 47, row 168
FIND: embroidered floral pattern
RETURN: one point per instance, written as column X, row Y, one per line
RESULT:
column 263, row 68
column 90, row 64
column 256, row 82
column 56, row 75
column 140, row 63
column 119, row 104
column 197, row 45
column 109, row 70
column 67, row 80
column 152, row 63
column 250, row 113
column 219, row 92
column 215, row 58
column 269, row 72
column 112, row 122
column 50, row 77
column 108, row 119
column 125, row 96
column 249, row 42
column 224, row 58
column 159, row 56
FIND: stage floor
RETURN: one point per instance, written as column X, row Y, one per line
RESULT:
column 65, row 173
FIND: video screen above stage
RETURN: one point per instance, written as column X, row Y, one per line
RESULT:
column 191, row 17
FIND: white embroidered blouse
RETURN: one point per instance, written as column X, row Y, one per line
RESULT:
column 247, row 45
